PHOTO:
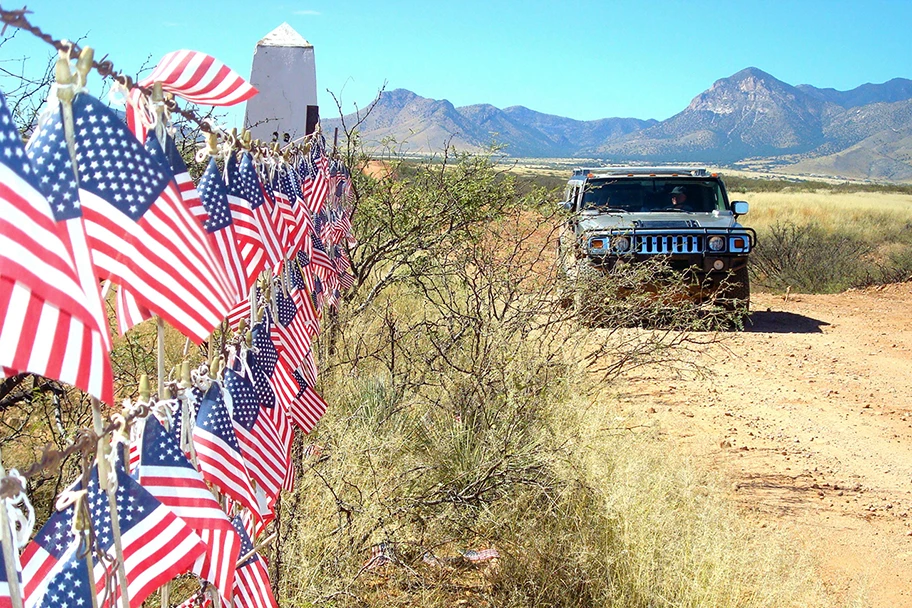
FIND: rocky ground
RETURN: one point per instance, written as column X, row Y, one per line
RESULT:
column 808, row 413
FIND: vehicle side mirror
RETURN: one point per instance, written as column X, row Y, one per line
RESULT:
column 566, row 205
column 739, row 207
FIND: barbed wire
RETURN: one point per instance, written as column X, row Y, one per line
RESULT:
column 105, row 68
column 85, row 442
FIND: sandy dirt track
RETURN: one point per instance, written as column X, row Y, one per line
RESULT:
column 808, row 413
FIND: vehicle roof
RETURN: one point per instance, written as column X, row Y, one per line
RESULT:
column 592, row 172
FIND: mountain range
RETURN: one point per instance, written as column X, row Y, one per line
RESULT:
column 749, row 117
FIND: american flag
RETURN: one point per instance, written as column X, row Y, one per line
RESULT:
column 242, row 193
column 346, row 280
column 286, row 390
column 139, row 231
column 484, row 555
column 70, row 585
column 342, row 261
column 251, row 587
column 380, row 554
column 289, row 332
column 308, row 406
column 221, row 229
column 6, row 598
column 157, row 545
column 306, row 272
column 185, row 183
column 46, row 553
column 302, row 280
column 284, row 216
column 315, row 178
column 51, row 318
column 324, row 267
column 306, row 309
column 254, row 192
column 167, row 474
column 295, row 186
column 317, row 294
column 200, row 78
column 309, row 369
column 139, row 114
column 300, row 219
column 285, row 431
column 130, row 313
column 263, row 450
column 280, row 216
column 218, row 452
column 262, row 359
column 322, row 263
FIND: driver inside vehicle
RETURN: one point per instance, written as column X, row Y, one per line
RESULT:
column 679, row 199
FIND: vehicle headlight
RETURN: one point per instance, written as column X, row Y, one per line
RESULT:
column 597, row 244
column 621, row 244
column 716, row 243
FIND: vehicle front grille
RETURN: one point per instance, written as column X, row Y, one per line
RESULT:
column 666, row 244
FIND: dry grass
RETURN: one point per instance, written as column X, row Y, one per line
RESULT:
column 868, row 215
column 459, row 421
column 824, row 242
column 684, row 543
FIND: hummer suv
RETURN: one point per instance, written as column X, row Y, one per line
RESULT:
column 630, row 214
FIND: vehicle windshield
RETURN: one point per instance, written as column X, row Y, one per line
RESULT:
column 653, row 194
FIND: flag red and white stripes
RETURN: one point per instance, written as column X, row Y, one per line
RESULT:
column 167, row 474
column 200, row 78
column 130, row 313
column 252, row 588
column 41, row 296
column 218, row 452
column 140, row 232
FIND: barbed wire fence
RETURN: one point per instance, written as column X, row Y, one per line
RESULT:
column 94, row 444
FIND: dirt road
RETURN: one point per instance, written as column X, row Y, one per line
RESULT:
column 809, row 414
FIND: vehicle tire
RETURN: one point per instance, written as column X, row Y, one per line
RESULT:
column 585, row 281
column 735, row 299
column 738, row 292
column 566, row 277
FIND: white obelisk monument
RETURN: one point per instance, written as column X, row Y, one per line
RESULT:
column 286, row 76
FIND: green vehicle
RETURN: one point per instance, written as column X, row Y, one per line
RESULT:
column 623, row 215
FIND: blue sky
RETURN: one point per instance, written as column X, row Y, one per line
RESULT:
column 583, row 60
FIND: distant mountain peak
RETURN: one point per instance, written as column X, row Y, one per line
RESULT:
column 751, row 72
column 398, row 97
column 750, row 114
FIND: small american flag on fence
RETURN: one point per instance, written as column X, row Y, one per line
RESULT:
column 41, row 293
column 200, row 78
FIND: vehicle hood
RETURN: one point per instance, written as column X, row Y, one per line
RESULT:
column 672, row 220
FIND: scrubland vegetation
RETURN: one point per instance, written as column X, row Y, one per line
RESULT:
column 826, row 241
column 471, row 411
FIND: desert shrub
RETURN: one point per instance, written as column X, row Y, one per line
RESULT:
column 809, row 259
column 652, row 294
column 736, row 183
column 456, row 424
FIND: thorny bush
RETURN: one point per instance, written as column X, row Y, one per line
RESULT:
column 446, row 368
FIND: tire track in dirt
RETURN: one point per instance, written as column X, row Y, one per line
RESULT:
column 809, row 414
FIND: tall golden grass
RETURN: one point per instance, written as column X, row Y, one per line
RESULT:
column 868, row 215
